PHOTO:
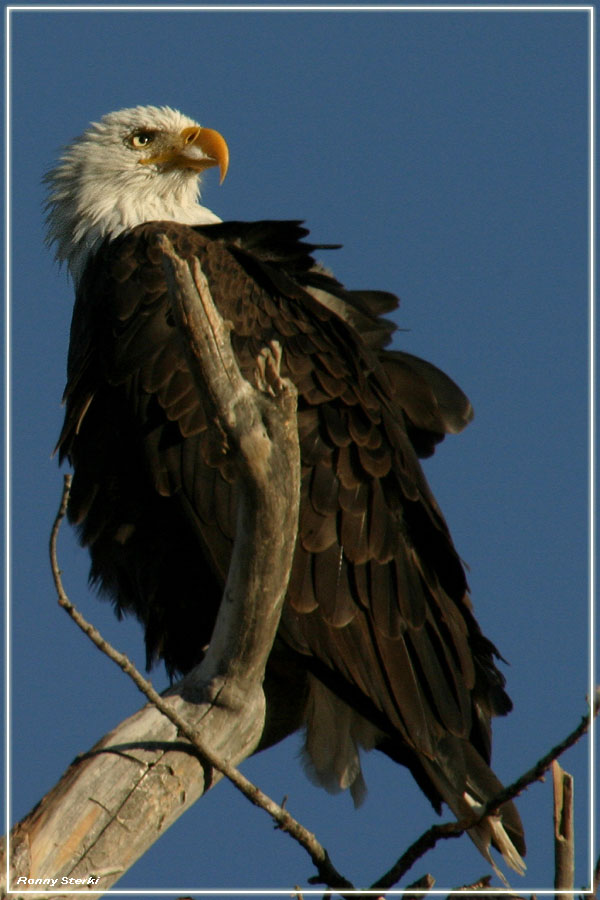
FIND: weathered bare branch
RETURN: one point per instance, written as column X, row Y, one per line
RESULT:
column 564, row 849
column 264, row 437
column 168, row 751
column 283, row 819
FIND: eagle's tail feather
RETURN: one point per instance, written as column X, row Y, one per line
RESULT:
column 502, row 831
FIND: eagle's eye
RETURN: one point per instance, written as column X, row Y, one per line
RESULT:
column 141, row 139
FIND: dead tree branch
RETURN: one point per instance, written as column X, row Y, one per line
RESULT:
column 564, row 849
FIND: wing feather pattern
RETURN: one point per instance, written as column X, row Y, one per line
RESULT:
column 377, row 606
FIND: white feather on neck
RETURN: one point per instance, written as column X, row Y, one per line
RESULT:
column 96, row 193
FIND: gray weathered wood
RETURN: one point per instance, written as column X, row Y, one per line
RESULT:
column 114, row 801
column 564, row 838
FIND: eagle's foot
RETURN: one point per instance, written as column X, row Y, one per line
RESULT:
column 267, row 376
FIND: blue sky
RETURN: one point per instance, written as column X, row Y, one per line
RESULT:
column 447, row 152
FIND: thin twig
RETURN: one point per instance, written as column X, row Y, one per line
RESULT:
column 425, row 842
column 429, row 838
column 542, row 765
column 286, row 822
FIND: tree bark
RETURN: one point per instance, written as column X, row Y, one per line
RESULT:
column 564, row 848
column 114, row 801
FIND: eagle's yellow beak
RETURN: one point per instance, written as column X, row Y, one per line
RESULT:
column 202, row 148
column 194, row 148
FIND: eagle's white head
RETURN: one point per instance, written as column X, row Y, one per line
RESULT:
column 136, row 165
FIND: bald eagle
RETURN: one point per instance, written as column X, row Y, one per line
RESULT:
column 377, row 626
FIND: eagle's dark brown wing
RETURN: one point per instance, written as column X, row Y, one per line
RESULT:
column 377, row 607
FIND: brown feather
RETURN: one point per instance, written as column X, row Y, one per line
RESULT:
column 316, row 532
column 383, row 527
column 355, row 537
column 330, row 576
column 300, row 588
column 324, row 490
column 335, row 421
column 354, row 499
